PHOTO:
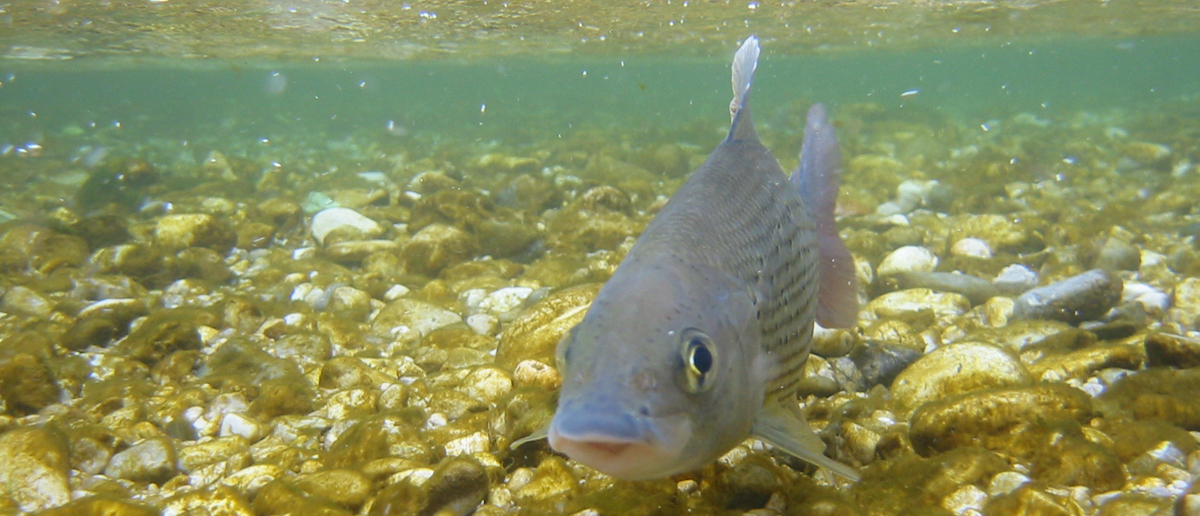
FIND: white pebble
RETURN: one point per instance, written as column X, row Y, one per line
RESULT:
column 505, row 301
column 966, row 500
column 971, row 247
column 910, row 258
column 483, row 324
column 329, row 219
column 1015, row 279
column 395, row 292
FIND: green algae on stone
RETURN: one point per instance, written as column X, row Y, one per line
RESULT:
column 1030, row 500
column 163, row 333
column 1159, row 393
column 284, row 497
column 535, row 333
column 27, row 382
column 100, row 506
column 152, row 460
column 388, row 435
column 219, row 501
column 994, row 419
column 910, row 485
column 1174, row 351
column 345, row 487
column 36, row 464
column 956, row 369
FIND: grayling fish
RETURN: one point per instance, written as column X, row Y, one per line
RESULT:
column 697, row 341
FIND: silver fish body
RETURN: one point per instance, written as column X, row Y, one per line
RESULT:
column 698, row 339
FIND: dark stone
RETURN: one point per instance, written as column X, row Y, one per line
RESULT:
column 1172, row 351
column 880, row 362
column 1083, row 297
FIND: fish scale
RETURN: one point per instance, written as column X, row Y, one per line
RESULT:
column 768, row 221
column 698, row 339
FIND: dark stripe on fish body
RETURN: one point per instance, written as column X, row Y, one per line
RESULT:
column 755, row 228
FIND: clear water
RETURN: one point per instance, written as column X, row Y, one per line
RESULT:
column 524, row 99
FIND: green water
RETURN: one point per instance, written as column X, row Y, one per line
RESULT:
column 524, row 100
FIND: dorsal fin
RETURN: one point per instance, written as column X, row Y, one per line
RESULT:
column 817, row 179
column 744, row 63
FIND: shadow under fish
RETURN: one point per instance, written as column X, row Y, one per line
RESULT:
column 698, row 340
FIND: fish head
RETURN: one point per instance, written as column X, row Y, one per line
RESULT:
column 664, row 374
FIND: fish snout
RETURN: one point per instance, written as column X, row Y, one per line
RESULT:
column 617, row 443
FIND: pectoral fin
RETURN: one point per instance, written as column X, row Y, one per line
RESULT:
column 537, row 435
column 788, row 431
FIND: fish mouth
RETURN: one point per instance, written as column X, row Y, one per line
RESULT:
column 621, row 445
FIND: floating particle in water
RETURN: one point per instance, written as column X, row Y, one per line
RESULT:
column 395, row 129
column 276, row 83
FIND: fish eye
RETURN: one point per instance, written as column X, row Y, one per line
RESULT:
column 699, row 358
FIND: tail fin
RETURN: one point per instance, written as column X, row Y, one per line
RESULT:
column 818, row 178
column 744, row 64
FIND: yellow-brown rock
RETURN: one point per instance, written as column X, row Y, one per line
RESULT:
column 957, row 369
column 535, row 333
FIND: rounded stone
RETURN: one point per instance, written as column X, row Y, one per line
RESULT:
column 487, row 384
column 221, row 501
column 193, row 230
column 344, row 487
column 971, row 248
column 346, row 220
column 1015, row 279
column 1176, row 351
column 535, row 333
column 152, row 460
column 1187, row 295
column 35, row 469
column 910, row 258
column 1083, row 297
column 918, row 305
column 25, row 301
column 415, row 315
column 536, row 374
column 995, row 419
column 436, row 247
column 957, row 369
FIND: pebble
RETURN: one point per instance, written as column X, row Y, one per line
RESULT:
column 36, row 462
column 956, row 369
column 1006, row 482
column 971, row 248
column 918, row 305
column 1187, row 295
column 966, row 500
column 179, row 231
column 1118, row 254
column 910, row 258
column 436, row 247
column 1015, row 279
column 345, row 487
column 1163, row 349
column 483, row 324
column 196, row 456
column 880, row 362
column 241, row 426
column 996, row 419
column 976, row 289
column 328, row 220
column 1082, row 297
column 26, row 301
column 415, row 315
column 536, row 374
column 535, row 333
column 220, row 501
column 505, row 302
column 152, row 460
